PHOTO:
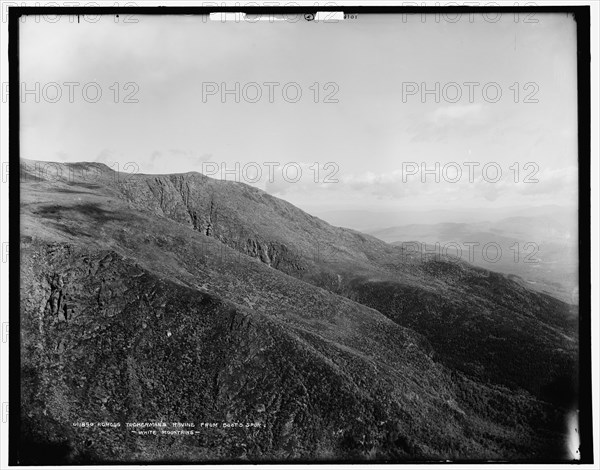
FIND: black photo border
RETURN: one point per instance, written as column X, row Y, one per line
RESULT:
column 581, row 15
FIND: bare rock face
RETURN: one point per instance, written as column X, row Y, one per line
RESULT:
column 283, row 237
column 181, row 299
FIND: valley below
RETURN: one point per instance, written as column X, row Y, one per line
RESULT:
column 278, row 337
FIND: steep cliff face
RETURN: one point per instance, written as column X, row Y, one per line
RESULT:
column 480, row 322
column 184, row 299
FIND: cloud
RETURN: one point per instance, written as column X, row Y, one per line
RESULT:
column 454, row 112
column 383, row 185
column 449, row 122
column 177, row 160
column 550, row 181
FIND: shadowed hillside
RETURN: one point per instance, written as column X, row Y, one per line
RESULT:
column 179, row 298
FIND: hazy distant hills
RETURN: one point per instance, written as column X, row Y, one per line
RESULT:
column 180, row 298
column 542, row 250
column 375, row 220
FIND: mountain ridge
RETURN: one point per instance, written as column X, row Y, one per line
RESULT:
column 220, row 244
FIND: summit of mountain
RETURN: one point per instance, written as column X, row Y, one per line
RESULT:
column 188, row 299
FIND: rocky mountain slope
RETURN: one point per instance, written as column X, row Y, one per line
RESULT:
column 179, row 298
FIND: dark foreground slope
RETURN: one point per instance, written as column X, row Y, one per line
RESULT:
column 484, row 324
column 138, row 307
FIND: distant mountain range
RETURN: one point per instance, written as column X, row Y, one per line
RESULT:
column 376, row 220
column 542, row 250
column 179, row 298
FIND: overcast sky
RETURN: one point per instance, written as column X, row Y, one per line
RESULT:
column 371, row 134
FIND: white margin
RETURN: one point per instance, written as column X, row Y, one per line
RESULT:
column 595, row 210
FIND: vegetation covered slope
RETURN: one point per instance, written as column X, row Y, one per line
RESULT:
column 205, row 304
